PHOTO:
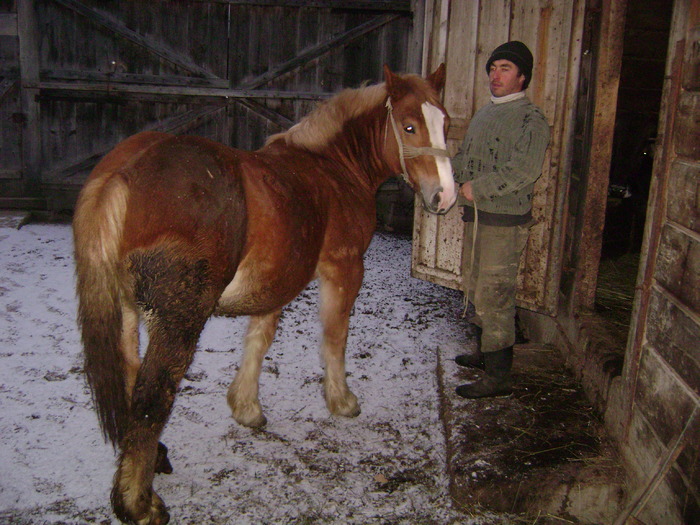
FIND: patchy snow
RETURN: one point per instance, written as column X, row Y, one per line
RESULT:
column 306, row 466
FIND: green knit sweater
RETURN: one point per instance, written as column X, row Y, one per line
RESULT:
column 502, row 154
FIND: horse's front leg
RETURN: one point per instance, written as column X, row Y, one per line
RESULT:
column 243, row 392
column 338, row 293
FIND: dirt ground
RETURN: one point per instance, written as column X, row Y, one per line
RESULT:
column 540, row 454
column 417, row 453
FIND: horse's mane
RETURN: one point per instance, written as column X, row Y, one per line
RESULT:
column 317, row 128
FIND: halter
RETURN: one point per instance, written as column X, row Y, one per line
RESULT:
column 407, row 151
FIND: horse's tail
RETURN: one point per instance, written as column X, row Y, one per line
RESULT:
column 97, row 233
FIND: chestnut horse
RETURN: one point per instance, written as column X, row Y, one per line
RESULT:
column 172, row 229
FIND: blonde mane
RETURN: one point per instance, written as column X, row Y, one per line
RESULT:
column 319, row 127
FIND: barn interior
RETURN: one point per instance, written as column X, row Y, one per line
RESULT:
column 644, row 51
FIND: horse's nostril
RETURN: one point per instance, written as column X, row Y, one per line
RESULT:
column 435, row 202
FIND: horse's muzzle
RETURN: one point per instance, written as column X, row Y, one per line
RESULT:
column 437, row 204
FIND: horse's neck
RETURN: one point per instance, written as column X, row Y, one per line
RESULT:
column 361, row 150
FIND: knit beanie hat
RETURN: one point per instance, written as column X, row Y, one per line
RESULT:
column 516, row 52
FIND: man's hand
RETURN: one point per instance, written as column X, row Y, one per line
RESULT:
column 466, row 191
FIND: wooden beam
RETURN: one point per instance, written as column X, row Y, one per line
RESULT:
column 65, row 75
column 177, row 124
column 320, row 49
column 273, row 116
column 8, row 24
column 6, row 86
column 349, row 5
column 81, row 89
column 27, row 31
column 119, row 28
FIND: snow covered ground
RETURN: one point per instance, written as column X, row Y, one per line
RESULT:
column 306, row 466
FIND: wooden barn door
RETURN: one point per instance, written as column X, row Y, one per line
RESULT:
column 464, row 34
column 84, row 74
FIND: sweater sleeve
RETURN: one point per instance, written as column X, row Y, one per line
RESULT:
column 522, row 167
column 459, row 162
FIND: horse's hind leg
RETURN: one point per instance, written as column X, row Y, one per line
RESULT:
column 339, row 289
column 129, row 347
column 243, row 392
column 177, row 297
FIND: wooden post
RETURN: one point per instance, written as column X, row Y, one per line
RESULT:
column 29, row 84
column 606, row 86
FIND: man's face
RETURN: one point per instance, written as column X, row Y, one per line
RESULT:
column 505, row 78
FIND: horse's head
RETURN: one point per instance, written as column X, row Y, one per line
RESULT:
column 419, row 122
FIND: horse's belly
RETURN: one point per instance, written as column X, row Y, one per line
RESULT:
column 253, row 291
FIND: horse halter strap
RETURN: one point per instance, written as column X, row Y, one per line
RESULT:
column 406, row 151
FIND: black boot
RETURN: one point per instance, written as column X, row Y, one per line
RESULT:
column 496, row 382
column 473, row 360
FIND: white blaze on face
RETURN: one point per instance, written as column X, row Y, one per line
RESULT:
column 435, row 120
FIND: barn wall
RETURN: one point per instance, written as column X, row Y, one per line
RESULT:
column 77, row 76
column 656, row 402
column 463, row 35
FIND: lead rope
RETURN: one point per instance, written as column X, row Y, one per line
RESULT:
column 475, row 230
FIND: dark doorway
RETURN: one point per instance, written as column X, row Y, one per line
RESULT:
column 645, row 48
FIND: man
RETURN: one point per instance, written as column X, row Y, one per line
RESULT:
column 500, row 159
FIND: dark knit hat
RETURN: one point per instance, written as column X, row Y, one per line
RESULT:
column 516, row 52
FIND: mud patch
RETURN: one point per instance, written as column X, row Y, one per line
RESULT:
column 539, row 454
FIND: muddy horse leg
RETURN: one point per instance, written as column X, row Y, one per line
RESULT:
column 177, row 298
column 129, row 347
column 339, row 289
column 243, row 392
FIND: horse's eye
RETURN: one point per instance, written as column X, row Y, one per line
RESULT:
column 409, row 129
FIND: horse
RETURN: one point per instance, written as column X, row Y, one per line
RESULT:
column 170, row 230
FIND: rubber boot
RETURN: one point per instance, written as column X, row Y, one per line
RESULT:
column 496, row 382
column 473, row 360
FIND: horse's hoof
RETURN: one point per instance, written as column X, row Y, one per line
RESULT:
column 154, row 513
column 256, row 422
column 163, row 465
column 248, row 414
column 347, row 408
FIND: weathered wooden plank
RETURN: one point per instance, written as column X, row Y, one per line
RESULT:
column 691, row 80
column 673, row 331
column 8, row 24
column 177, row 124
column 684, row 185
column 273, row 116
column 351, row 5
column 319, row 50
column 461, row 68
column 130, row 78
column 117, row 27
column 6, row 87
column 121, row 88
column 687, row 132
column 665, row 404
column 643, row 450
column 27, row 27
column 678, row 265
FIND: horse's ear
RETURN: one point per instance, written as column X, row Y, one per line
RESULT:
column 437, row 78
column 396, row 87
column 389, row 78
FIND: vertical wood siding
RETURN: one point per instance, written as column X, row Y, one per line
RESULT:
column 552, row 30
column 661, row 394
